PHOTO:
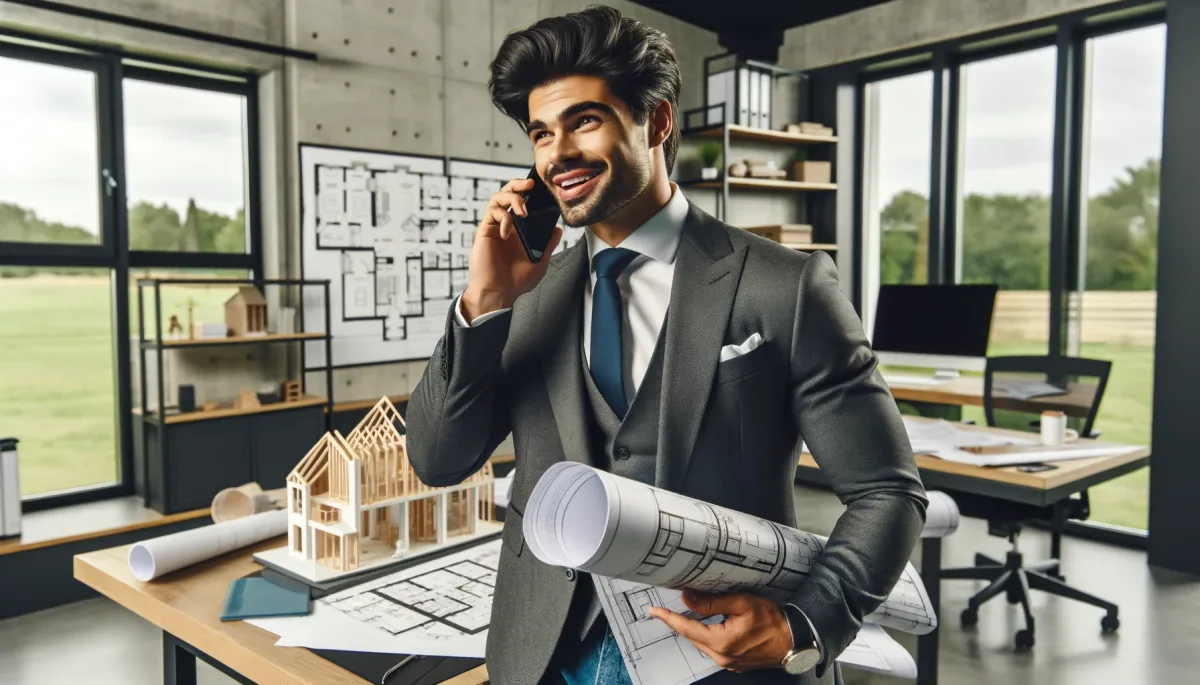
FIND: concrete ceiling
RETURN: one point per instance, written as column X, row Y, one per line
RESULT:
column 754, row 28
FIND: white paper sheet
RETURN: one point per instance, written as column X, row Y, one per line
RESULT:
column 644, row 542
column 944, row 440
column 941, row 516
column 439, row 608
column 153, row 558
column 874, row 650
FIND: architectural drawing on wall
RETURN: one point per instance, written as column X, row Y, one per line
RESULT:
column 355, row 503
column 393, row 233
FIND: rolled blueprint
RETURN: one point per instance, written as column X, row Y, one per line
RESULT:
column 609, row 526
column 153, row 558
column 941, row 516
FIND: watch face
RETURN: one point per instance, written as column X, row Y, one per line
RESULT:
column 801, row 661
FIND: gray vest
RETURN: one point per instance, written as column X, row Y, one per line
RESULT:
column 626, row 448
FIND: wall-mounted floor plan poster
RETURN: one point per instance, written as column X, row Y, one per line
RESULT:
column 393, row 234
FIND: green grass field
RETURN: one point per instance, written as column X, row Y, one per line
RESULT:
column 57, row 379
column 57, row 386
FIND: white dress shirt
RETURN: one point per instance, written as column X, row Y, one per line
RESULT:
column 645, row 287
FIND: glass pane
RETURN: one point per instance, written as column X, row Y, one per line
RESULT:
column 1116, row 310
column 185, row 165
column 1005, row 162
column 57, row 389
column 896, row 150
column 49, row 154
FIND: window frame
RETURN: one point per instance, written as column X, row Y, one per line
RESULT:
column 1069, row 33
column 112, row 68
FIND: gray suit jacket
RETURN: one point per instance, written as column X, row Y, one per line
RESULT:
column 727, row 432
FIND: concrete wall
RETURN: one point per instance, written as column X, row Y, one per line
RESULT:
column 904, row 24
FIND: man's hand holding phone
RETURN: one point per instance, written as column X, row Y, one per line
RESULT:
column 500, row 267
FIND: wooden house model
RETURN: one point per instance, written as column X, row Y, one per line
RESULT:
column 246, row 313
column 354, row 502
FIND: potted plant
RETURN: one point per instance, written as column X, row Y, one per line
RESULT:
column 710, row 153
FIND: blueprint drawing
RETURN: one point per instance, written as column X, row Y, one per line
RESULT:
column 393, row 234
column 642, row 545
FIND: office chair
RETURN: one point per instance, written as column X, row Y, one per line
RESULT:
column 1081, row 384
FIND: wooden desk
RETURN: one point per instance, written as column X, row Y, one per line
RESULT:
column 1004, row 483
column 967, row 391
column 186, row 605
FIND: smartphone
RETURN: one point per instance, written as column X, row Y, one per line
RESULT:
column 537, row 226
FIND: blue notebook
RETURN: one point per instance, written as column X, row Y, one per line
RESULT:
column 260, row 598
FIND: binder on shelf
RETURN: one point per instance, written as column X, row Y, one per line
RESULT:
column 719, row 108
column 743, row 96
column 752, row 88
column 764, row 100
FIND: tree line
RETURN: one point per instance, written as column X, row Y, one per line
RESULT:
column 1005, row 239
column 151, row 227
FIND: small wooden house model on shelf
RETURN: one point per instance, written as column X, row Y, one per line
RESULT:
column 354, row 503
column 246, row 313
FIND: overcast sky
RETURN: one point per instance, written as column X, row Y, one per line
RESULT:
column 183, row 143
column 1008, row 119
column 179, row 143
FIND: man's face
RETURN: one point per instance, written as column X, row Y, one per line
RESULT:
column 587, row 148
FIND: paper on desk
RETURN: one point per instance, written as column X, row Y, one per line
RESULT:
column 152, row 558
column 639, row 542
column 941, row 516
column 438, row 608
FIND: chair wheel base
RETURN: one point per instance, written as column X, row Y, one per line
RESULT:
column 1024, row 639
column 969, row 618
column 1109, row 624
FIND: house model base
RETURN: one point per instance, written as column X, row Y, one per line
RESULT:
column 354, row 503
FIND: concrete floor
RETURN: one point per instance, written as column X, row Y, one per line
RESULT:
column 100, row 643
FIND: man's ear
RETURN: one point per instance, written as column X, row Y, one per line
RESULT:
column 661, row 123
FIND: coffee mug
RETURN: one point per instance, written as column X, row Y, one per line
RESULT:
column 1054, row 429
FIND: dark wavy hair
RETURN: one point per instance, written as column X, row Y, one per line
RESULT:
column 635, row 60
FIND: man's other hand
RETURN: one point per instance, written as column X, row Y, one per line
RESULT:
column 754, row 635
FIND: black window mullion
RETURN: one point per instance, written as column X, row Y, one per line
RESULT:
column 1064, row 191
column 937, row 174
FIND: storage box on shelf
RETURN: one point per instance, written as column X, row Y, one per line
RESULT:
column 184, row 458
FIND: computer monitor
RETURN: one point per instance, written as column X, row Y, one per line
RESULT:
column 944, row 327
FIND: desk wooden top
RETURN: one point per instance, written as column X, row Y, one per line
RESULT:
column 188, row 604
column 968, row 391
column 1068, row 471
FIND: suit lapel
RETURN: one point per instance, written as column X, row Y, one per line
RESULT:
column 560, row 312
column 707, row 272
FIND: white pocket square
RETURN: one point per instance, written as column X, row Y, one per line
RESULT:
column 734, row 351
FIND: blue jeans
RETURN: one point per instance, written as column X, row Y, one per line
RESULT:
column 599, row 661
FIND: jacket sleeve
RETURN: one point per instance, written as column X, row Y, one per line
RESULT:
column 850, row 423
column 456, row 415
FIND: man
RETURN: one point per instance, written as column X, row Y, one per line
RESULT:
column 635, row 351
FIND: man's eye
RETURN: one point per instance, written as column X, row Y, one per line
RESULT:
column 538, row 136
column 586, row 119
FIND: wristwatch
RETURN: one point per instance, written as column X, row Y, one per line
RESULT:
column 805, row 654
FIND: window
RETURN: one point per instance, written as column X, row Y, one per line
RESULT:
column 899, row 122
column 1005, row 161
column 185, row 164
column 1115, row 311
column 49, row 154
column 68, row 327
column 57, row 380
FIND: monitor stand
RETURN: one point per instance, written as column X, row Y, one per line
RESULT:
column 946, row 374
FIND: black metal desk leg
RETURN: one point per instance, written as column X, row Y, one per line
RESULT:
column 927, row 645
column 179, row 665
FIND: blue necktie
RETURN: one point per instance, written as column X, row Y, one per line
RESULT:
column 606, row 358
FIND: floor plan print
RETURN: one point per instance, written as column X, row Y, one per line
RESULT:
column 393, row 233
column 442, row 606
column 643, row 545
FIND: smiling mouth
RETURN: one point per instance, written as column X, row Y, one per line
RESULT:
column 578, row 185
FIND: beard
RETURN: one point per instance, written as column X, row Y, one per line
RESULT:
column 623, row 181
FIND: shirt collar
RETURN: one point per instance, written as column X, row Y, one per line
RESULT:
column 658, row 238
